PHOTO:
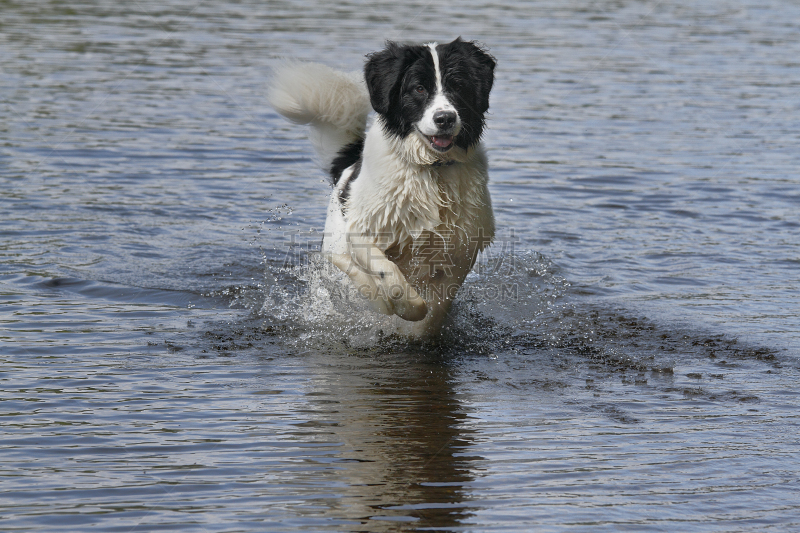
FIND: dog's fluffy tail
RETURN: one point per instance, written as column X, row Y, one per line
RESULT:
column 335, row 104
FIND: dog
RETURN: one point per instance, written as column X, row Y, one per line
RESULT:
column 410, row 208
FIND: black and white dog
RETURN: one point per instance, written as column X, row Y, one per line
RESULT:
column 410, row 209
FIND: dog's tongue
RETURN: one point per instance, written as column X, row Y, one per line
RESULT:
column 442, row 141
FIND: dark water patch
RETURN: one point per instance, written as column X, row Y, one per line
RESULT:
column 106, row 291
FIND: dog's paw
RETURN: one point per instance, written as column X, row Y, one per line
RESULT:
column 404, row 302
column 410, row 306
column 385, row 288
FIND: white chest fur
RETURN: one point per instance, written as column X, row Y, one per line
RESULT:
column 400, row 194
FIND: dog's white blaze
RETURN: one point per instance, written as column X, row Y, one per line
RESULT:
column 435, row 55
column 439, row 103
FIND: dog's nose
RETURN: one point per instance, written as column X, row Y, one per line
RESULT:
column 444, row 119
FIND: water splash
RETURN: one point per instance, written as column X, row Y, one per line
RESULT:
column 315, row 303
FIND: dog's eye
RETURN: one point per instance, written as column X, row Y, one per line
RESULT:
column 419, row 89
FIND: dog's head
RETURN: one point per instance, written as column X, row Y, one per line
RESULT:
column 439, row 92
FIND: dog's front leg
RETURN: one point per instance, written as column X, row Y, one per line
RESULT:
column 379, row 280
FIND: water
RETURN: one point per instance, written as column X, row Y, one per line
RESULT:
column 624, row 358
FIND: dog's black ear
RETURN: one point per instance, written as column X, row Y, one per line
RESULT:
column 382, row 72
column 483, row 65
column 480, row 71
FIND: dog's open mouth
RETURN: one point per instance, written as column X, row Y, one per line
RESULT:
column 441, row 142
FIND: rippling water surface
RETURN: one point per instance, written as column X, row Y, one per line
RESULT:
column 624, row 358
